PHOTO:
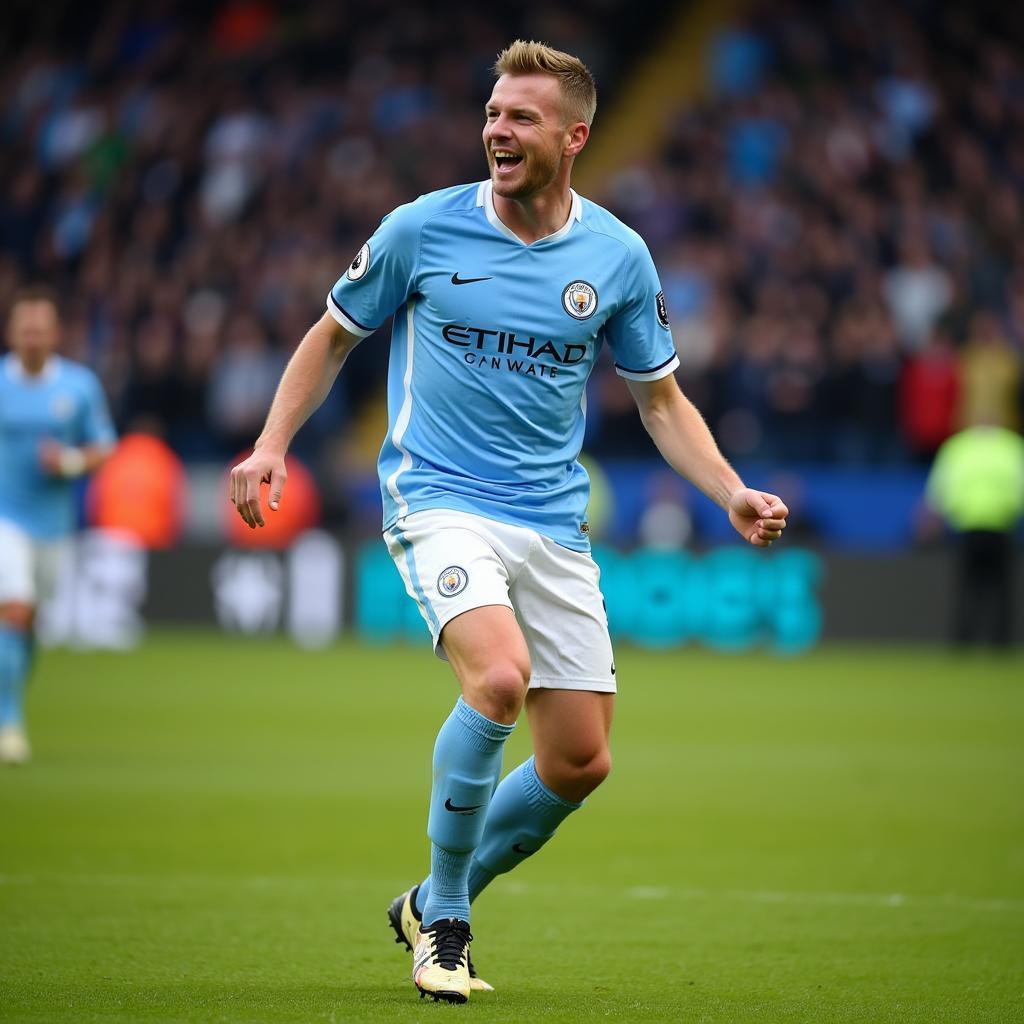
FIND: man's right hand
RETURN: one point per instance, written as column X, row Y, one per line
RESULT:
column 244, row 485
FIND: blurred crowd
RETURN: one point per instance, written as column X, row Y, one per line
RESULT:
column 839, row 226
column 837, row 220
column 193, row 178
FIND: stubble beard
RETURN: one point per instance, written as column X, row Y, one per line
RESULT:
column 539, row 174
column 32, row 355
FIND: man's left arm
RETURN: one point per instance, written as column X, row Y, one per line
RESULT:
column 94, row 441
column 72, row 461
column 686, row 444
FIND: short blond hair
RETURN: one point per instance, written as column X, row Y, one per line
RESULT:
column 532, row 58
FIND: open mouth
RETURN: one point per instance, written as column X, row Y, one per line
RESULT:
column 506, row 160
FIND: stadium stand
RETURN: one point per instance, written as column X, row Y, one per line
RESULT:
column 837, row 218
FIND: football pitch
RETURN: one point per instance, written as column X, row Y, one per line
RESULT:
column 211, row 830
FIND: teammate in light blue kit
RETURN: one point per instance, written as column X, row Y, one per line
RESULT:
column 54, row 427
column 503, row 293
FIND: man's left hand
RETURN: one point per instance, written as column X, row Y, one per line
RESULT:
column 61, row 460
column 758, row 517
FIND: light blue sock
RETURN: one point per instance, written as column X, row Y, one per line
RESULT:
column 467, row 763
column 524, row 814
column 14, row 663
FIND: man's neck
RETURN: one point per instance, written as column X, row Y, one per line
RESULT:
column 33, row 368
column 537, row 217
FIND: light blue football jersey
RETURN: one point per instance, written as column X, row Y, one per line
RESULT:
column 64, row 403
column 492, row 345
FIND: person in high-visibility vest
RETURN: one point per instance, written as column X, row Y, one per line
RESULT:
column 141, row 491
column 977, row 485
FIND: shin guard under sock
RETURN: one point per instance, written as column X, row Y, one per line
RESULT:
column 467, row 763
column 523, row 815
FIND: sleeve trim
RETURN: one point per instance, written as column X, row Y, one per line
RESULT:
column 350, row 324
column 655, row 373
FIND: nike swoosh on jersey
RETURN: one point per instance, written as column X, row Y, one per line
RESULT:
column 468, row 280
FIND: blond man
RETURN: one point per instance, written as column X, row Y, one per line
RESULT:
column 504, row 292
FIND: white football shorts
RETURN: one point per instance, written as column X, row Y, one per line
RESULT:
column 28, row 567
column 452, row 562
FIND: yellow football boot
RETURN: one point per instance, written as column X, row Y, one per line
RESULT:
column 440, row 960
column 405, row 920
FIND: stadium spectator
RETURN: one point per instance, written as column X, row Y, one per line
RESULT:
column 152, row 389
column 242, row 380
column 929, row 395
column 991, row 375
column 918, row 293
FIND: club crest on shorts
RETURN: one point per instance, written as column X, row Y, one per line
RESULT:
column 452, row 581
column 360, row 264
column 580, row 300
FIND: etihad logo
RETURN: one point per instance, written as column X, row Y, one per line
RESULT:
column 509, row 343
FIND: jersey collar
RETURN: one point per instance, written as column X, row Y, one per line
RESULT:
column 485, row 198
column 15, row 371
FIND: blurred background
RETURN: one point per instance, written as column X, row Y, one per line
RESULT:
column 833, row 194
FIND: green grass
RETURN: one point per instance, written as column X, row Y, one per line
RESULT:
column 211, row 830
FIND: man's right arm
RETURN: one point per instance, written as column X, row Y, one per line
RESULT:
column 306, row 381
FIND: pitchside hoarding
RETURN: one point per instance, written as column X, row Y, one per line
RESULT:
column 785, row 600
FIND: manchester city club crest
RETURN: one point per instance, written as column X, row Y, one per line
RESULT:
column 62, row 407
column 452, row 581
column 580, row 300
column 360, row 264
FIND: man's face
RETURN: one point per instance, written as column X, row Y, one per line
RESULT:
column 33, row 331
column 525, row 134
